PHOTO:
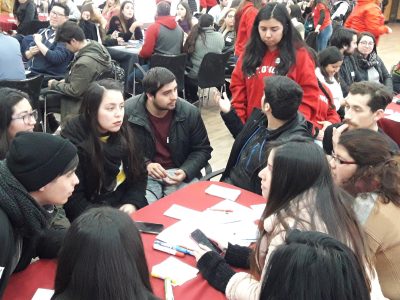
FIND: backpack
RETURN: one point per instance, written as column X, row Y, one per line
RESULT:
column 342, row 17
column 115, row 72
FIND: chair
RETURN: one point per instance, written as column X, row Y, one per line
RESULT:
column 175, row 63
column 31, row 86
column 212, row 72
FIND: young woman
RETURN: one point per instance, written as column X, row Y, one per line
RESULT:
column 246, row 12
column 322, row 22
column 323, row 268
column 201, row 40
column 111, row 169
column 110, row 10
column 24, row 12
column 89, row 28
column 301, row 195
column 16, row 115
column 102, row 258
column 370, row 65
column 330, row 60
column 227, row 29
column 274, row 48
column 97, row 18
column 364, row 165
column 184, row 17
column 124, row 27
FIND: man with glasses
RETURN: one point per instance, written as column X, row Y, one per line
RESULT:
column 364, row 107
column 44, row 54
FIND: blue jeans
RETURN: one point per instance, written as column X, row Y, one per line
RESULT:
column 323, row 38
column 138, row 76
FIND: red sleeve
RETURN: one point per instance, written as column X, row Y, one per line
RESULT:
column 251, row 16
column 376, row 21
column 304, row 74
column 239, row 91
column 150, row 41
column 203, row 3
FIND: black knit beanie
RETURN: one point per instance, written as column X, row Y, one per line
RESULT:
column 36, row 158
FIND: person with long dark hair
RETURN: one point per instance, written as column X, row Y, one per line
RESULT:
column 314, row 265
column 370, row 65
column 184, row 17
column 275, row 48
column 124, row 27
column 16, row 116
column 364, row 165
column 111, row 168
column 102, row 258
column 301, row 194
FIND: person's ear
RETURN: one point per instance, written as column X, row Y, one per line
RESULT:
column 379, row 114
column 267, row 107
column 150, row 96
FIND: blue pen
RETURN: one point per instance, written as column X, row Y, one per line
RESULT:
column 183, row 250
column 177, row 248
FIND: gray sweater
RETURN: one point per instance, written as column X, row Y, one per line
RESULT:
column 214, row 42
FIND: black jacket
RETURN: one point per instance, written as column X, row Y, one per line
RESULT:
column 296, row 126
column 188, row 140
column 131, row 191
column 24, row 226
column 348, row 74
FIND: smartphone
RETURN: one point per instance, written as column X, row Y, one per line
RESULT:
column 200, row 238
column 146, row 227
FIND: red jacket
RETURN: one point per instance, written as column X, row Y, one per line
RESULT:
column 248, row 91
column 367, row 16
column 208, row 3
column 317, row 13
column 245, row 19
column 326, row 109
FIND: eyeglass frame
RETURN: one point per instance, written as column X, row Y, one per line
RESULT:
column 365, row 43
column 341, row 162
column 56, row 14
column 27, row 117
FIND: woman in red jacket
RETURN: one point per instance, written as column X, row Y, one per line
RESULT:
column 244, row 19
column 322, row 22
column 367, row 16
column 275, row 48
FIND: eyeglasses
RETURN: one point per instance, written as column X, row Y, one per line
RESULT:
column 27, row 117
column 364, row 43
column 341, row 162
column 56, row 14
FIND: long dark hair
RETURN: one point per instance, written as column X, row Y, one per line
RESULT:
column 8, row 99
column 301, row 173
column 93, row 146
column 378, row 169
column 188, row 17
column 198, row 31
column 102, row 258
column 314, row 265
column 328, row 56
column 124, row 22
column 256, row 48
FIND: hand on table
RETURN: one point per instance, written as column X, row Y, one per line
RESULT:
column 128, row 208
column 114, row 35
column 224, row 102
column 177, row 178
column 199, row 251
column 156, row 171
column 120, row 41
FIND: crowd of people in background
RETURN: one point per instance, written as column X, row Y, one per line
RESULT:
column 307, row 91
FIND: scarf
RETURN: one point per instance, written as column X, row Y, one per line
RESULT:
column 369, row 62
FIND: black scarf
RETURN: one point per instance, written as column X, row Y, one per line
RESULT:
column 369, row 62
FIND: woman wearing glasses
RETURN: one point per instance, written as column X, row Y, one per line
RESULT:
column 370, row 65
column 364, row 166
column 16, row 115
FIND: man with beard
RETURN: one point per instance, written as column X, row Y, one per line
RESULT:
column 364, row 106
column 346, row 41
column 171, row 132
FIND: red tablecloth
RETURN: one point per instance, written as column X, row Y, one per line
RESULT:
column 7, row 23
column 40, row 274
column 391, row 127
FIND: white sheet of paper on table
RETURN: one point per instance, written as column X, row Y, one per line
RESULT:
column 174, row 269
column 223, row 192
column 43, row 294
column 180, row 212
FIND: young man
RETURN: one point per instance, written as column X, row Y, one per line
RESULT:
column 364, row 107
column 91, row 59
column 346, row 41
column 38, row 172
column 278, row 119
column 172, row 133
column 45, row 55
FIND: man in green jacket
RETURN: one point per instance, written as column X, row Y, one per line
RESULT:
column 91, row 60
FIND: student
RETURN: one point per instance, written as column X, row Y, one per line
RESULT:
column 89, row 28
column 102, row 258
column 202, row 39
column 313, row 265
column 16, row 116
column 322, row 22
column 330, row 60
column 39, row 170
column 124, row 27
column 370, row 65
column 274, row 48
column 111, row 168
column 227, row 29
column 184, row 17
column 363, row 164
column 111, row 9
column 301, row 194
column 24, row 12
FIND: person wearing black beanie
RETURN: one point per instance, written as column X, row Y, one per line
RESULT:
column 39, row 170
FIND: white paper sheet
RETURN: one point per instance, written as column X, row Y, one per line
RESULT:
column 43, row 294
column 174, row 269
column 223, row 192
column 180, row 212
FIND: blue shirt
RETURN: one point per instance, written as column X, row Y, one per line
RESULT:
column 11, row 65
